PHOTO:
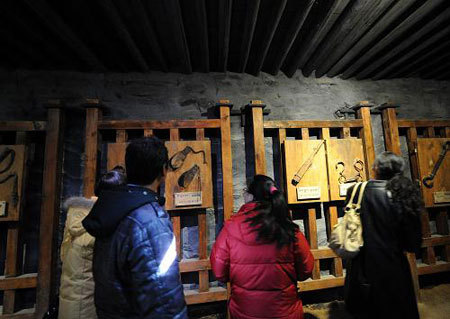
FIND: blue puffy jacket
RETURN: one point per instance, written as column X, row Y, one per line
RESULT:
column 135, row 264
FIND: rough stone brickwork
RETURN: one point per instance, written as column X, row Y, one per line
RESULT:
column 177, row 96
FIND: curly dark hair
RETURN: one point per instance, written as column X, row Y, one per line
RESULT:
column 273, row 221
column 390, row 167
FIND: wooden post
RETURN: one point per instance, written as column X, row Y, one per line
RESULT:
column 390, row 127
column 175, row 215
column 93, row 114
column 363, row 112
column 281, row 138
column 50, row 209
column 254, row 110
column 12, row 242
column 331, row 216
column 227, row 163
column 392, row 143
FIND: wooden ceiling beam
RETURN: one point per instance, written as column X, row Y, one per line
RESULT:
column 265, row 30
column 166, row 16
column 399, row 8
column 140, row 21
column 224, row 17
column 391, row 37
column 55, row 23
column 29, row 53
column 111, row 11
column 418, row 62
column 298, row 56
column 430, row 65
column 416, row 50
column 248, row 32
column 437, row 71
column 196, row 29
column 345, row 33
column 405, row 45
column 444, row 76
column 12, row 16
column 284, row 38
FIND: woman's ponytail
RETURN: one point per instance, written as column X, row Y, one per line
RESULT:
column 273, row 221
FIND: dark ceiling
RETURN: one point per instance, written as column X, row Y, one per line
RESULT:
column 375, row 39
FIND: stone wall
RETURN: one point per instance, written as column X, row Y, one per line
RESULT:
column 178, row 96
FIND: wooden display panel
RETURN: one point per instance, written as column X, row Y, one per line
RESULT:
column 7, row 189
column 116, row 155
column 296, row 153
column 202, row 182
column 428, row 150
column 346, row 151
column 220, row 126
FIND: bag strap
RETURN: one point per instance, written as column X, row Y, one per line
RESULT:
column 361, row 193
column 354, row 190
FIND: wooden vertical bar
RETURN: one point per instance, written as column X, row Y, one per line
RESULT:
column 411, row 139
column 390, row 128
column 12, row 245
column 392, row 143
column 311, row 228
column 148, row 133
column 430, row 132
column 447, row 131
column 176, row 219
column 203, row 276
column 305, row 133
column 281, row 139
column 331, row 217
column 256, row 111
column 121, row 136
column 345, row 132
column 49, row 210
column 331, row 220
column 363, row 113
column 90, row 150
column 442, row 217
column 227, row 164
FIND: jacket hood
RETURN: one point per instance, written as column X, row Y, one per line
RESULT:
column 79, row 202
column 113, row 205
column 77, row 209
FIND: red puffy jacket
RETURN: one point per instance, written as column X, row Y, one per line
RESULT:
column 263, row 277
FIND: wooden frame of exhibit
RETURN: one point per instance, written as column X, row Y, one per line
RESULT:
column 12, row 279
column 360, row 127
column 415, row 131
column 95, row 126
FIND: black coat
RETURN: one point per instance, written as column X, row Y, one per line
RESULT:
column 135, row 264
column 378, row 281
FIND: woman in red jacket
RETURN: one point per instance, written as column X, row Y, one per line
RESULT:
column 263, row 254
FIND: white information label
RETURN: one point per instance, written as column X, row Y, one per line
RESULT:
column 441, row 197
column 343, row 188
column 188, row 199
column 2, row 208
column 311, row 192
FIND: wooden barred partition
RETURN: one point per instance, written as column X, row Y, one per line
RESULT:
column 96, row 127
column 435, row 255
column 280, row 131
column 43, row 281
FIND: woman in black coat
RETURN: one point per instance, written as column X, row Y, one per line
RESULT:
column 379, row 282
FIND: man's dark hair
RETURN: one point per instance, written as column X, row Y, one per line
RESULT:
column 145, row 160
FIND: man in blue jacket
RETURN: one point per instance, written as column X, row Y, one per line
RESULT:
column 135, row 263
